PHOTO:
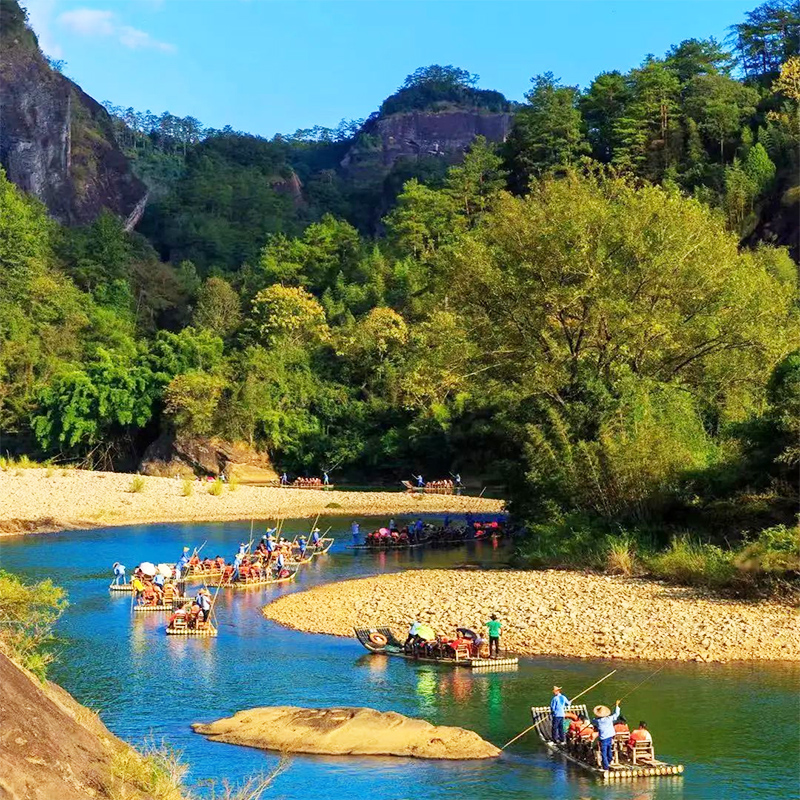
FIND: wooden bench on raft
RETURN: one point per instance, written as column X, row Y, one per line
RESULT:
column 642, row 753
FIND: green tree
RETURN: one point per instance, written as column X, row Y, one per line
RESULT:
column 602, row 106
column 547, row 132
column 719, row 105
column 648, row 130
column 191, row 401
column 217, row 309
column 693, row 57
column 288, row 314
column 473, row 183
column 97, row 404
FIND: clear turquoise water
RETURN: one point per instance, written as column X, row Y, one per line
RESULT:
column 734, row 727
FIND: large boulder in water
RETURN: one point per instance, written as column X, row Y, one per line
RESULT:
column 344, row 732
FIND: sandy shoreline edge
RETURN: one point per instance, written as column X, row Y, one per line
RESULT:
column 48, row 500
column 554, row 612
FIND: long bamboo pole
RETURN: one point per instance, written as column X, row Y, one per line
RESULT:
column 580, row 694
column 642, row 682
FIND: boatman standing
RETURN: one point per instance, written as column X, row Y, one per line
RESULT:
column 355, row 531
column 604, row 723
column 180, row 567
column 119, row 572
column 325, row 479
column 280, row 562
column 495, row 628
column 314, row 537
column 203, row 600
column 558, row 709
column 301, row 543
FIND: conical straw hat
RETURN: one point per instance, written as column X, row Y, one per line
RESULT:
column 601, row 711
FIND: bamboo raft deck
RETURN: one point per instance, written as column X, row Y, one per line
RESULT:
column 251, row 584
column 544, row 726
column 120, row 587
column 177, row 602
column 206, row 631
column 394, row 647
column 198, row 576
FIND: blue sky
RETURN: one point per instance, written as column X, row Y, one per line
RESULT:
column 267, row 66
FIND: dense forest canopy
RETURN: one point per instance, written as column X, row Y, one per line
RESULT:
column 594, row 312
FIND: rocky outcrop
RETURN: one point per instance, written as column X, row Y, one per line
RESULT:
column 199, row 455
column 445, row 134
column 346, row 732
column 53, row 747
column 56, row 142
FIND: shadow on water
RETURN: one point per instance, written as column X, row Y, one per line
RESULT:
column 733, row 726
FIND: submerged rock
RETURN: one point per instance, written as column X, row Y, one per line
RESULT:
column 346, row 731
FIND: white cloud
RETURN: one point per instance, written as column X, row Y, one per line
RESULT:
column 88, row 22
column 97, row 23
column 40, row 16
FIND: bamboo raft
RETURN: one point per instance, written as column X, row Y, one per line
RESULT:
column 248, row 584
column 206, row 631
column 409, row 487
column 324, row 546
column 394, row 647
column 120, row 587
column 389, row 545
column 543, row 722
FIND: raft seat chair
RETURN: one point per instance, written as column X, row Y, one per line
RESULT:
column 620, row 747
column 484, row 651
column 462, row 652
column 179, row 624
column 642, row 751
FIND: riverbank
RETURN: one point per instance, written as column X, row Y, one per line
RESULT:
column 554, row 612
column 46, row 500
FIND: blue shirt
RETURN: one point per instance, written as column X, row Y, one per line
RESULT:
column 270, row 545
column 158, row 580
column 182, row 562
column 558, row 705
column 605, row 725
column 279, row 561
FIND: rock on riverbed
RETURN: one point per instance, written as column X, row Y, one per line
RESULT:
column 345, row 731
column 554, row 612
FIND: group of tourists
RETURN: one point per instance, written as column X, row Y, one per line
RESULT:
column 423, row 641
column 306, row 483
column 604, row 740
column 418, row 532
column 194, row 615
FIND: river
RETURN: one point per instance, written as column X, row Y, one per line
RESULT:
column 733, row 726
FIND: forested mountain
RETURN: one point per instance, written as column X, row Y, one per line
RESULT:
column 591, row 308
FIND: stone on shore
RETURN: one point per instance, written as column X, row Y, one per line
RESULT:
column 346, row 731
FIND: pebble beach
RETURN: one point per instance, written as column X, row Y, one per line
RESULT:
column 45, row 500
column 554, row 612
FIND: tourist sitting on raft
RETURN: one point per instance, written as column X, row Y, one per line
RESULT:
column 307, row 482
column 606, row 739
column 423, row 642
column 190, row 615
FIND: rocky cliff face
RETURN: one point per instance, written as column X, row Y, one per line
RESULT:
column 445, row 134
column 52, row 747
column 56, row 142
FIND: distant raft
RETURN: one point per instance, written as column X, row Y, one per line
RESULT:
column 286, row 575
column 384, row 642
column 620, row 770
